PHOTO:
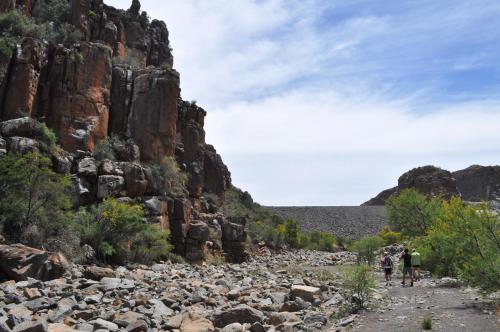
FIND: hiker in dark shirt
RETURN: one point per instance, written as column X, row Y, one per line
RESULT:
column 407, row 267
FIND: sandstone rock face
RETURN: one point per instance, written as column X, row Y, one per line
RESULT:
column 84, row 96
column 20, row 262
column 76, row 100
column 22, row 86
column 153, row 114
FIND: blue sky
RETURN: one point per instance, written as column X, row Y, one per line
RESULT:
column 327, row 102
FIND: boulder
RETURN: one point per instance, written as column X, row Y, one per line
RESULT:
column 87, row 167
column 193, row 322
column 22, row 145
column 135, row 179
column 198, row 230
column 97, row 273
column 109, row 185
column 20, row 262
column 240, row 314
column 23, row 127
column 32, row 326
column 307, row 293
column 234, row 327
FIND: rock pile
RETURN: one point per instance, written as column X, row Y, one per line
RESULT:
column 259, row 295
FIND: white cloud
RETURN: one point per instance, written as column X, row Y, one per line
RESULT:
column 328, row 102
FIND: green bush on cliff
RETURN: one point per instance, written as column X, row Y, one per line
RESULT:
column 46, row 136
column 57, row 11
column 117, row 232
column 13, row 23
column 6, row 48
column 171, row 179
column 35, row 202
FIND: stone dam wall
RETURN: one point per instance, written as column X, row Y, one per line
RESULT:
column 347, row 221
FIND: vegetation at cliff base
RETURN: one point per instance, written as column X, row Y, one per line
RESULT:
column 455, row 239
column 34, row 200
column 36, row 209
column 117, row 232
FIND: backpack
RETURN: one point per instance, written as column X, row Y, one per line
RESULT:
column 387, row 262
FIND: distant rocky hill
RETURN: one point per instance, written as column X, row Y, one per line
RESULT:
column 474, row 184
column 346, row 221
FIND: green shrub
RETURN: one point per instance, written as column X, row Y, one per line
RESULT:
column 57, row 11
column 150, row 245
column 68, row 35
column 291, row 233
column 317, row 240
column 465, row 242
column 109, row 148
column 427, row 323
column 92, row 14
column 46, row 136
column 14, row 23
column 118, row 233
column 389, row 236
column 6, row 48
column 169, row 177
column 358, row 283
column 366, row 248
column 411, row 212
column 174, row 258
column 34, row 201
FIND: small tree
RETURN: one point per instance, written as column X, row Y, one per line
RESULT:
column 412, row 213
column 358, row 283
column 34, row 200
column 366, row 248
column 292, row 230
column 389, row 236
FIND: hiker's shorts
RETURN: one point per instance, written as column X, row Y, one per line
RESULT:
column 407, row 270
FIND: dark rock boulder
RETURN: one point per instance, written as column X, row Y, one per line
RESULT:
column 20, row 262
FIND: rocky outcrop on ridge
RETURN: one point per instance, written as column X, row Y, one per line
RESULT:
column 473, row 184
column 118, row 79
column 477, row 183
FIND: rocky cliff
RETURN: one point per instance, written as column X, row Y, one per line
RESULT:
column 473, row 184
column 114, row 77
